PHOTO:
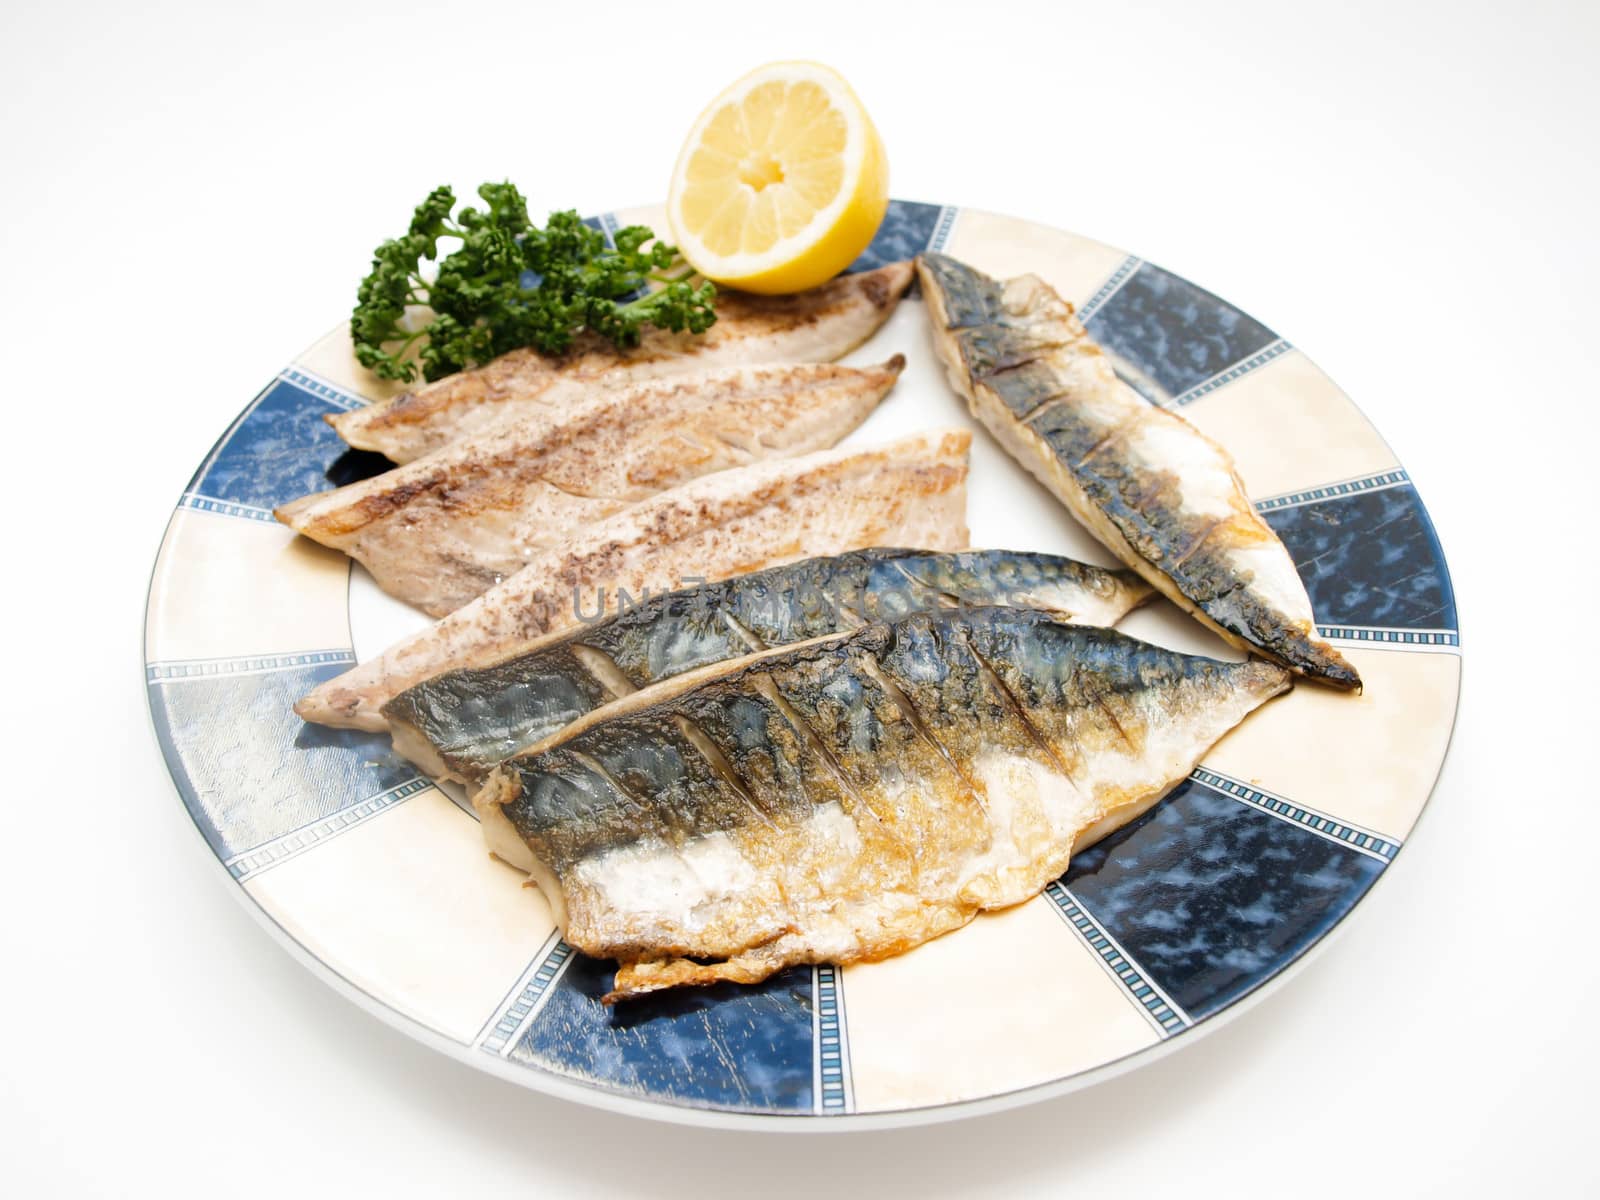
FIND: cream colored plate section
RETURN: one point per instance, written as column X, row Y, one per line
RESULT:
column 962, row 1017
column 227, row 587
column 333, row 358
column 1289, row 427
column 1005, row 246
column 1368, row 759
column 653, row 215
column 409, row 907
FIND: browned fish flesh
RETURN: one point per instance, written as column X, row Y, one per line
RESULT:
column 814, row 326
column 849, row 799
column 444, row 529
column 909, row 493
column 1156, row 491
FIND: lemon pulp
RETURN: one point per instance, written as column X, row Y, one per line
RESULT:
column 782, row 181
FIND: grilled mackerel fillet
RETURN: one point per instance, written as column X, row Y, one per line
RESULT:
column 815, row 326
column 910, row 492
column 850, row 799
column 446, row 528
column 1160, row 494
column 460, row 724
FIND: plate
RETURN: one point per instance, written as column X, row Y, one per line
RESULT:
column 379, row 880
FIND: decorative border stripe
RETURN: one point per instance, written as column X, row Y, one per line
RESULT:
column 178, row 669
column 226, row 508
column 297, row 377
column 1372, row 844
column 832, row 1089
column 527, row 997
column 322, row 389
column 1378, row 638
column 1110, row 287
column 1330, row 491
column 942, row 228
column 1239, row 369
column 252, row 862
column 1158, row 1007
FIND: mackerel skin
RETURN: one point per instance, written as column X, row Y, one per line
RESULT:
column 1157, row 492
column 849, row 799
column 909, row 492
column 460, row 724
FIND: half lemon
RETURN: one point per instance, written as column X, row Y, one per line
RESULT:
column 781, row 183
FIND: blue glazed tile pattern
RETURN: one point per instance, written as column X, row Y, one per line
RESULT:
column 733, row 1047
column 1354, row 835
column 513, row 1016
column 1239, row 369
column 1369, row 559
column 280, row 450
column 1157, row 1006
column 908, row 229
column 250, row 770
column 1175, row 334
column 1210, row 896
column 1106, row 290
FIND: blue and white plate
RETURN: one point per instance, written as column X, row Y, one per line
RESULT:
column 379, row 881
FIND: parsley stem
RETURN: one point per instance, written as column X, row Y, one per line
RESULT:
column 406, row 345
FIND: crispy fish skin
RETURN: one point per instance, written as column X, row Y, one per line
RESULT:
column 910, row 492
column 442, row 530
column 814, row 326
column 461, row 724
column 1157, row 492
column 853, row 798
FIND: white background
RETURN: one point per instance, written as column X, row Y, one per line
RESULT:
column 1405, row 191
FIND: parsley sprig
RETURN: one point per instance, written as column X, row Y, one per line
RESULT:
column 510, row 284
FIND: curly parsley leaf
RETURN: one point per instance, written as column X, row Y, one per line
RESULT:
column 510, row 284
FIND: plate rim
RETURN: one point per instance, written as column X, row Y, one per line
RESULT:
column 687, row 1113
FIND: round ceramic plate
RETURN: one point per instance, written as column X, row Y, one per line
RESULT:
column 380, row 881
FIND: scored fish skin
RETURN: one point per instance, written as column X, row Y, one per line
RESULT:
column 909, row 492
column 852, row 798
column 445, row 528
column 819, row 325
column 460, row 724
column 1157, row 492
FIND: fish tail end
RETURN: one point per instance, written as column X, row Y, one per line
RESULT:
column 1328, row 666
column 346, row 424
column 339, row 707
column 293, row 513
